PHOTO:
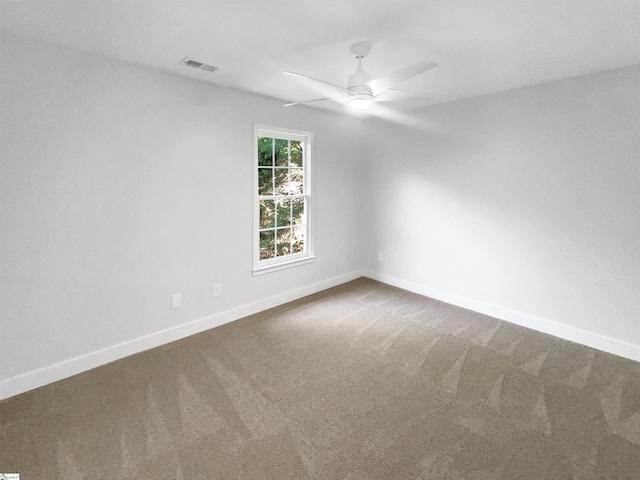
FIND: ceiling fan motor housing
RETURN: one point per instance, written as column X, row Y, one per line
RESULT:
column 357, row 81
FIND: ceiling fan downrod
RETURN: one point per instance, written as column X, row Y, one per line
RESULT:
column 359, row 78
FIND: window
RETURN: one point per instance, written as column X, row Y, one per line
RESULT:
column 282, row 205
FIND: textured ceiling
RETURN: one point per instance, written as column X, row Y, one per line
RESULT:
column 482, row 46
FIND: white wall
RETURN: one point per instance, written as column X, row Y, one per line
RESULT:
column 522, row 204
column 120, row 186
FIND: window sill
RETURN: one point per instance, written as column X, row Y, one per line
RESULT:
column 283, row 265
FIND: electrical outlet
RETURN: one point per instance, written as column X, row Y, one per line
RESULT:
column 217, row 289
column 380, row 256
column 176, row 298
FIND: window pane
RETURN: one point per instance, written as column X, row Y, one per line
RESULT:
column 267, row 244
column 284, row 213
column 298, row 240
column 296, row 153
column 267, row 214
column 297, row 216
column 296, row 186
column 284, row 241
column 265, row 152
column 282, row 152
column 281, row 218
column 265, row 181
column 282, row 181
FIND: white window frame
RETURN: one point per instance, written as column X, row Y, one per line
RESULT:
column 279, row 263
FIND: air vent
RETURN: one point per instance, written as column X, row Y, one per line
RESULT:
column 190, row 62
column 193, row 63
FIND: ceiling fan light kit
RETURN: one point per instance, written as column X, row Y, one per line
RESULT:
column 360, row 103
column 362, row 90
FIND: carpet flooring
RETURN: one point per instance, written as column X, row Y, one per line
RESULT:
column 359, row 382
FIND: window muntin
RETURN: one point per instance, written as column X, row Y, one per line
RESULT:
column 282, row 234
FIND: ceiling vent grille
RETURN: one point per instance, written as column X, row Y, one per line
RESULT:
column 190, row 62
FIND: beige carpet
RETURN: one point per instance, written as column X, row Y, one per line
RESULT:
column 359, row 382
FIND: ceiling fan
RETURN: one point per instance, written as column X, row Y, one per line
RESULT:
column 361, row 89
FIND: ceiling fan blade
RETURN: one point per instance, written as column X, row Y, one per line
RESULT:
column 320, row 83
column 314, row 100
column 406, row 119
column 401, row 95
column 385, row 82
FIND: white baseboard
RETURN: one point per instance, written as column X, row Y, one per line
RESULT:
column 573, row 334
column 43, row 376
column 52, row 373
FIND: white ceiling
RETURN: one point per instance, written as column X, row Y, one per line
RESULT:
column 482, row 46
